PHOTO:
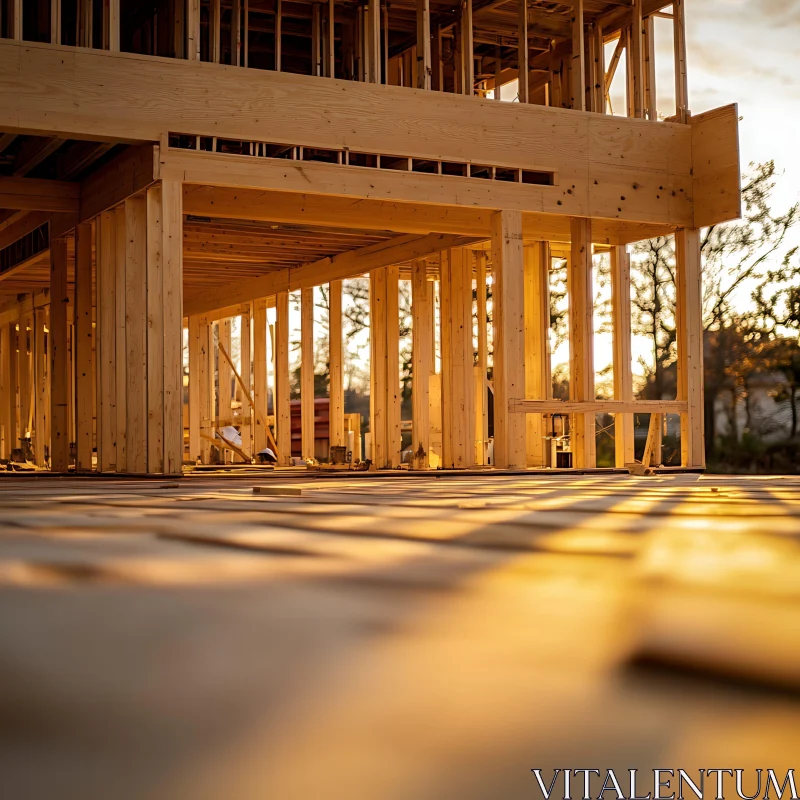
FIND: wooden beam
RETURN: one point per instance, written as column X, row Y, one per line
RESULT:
column 55, row 22
column 649, row 71
column 278, row 38
column 596, row 406
column 345, row 265
column 41, row 426
column 84, row 388
column 224, row 373
column 421, row 365
column 34, row 153
column 59, row 375
column 193, row 30
column 156, row 320
column 581, row 341
column 689, row 306
column 393, row 436
column 14, row 23
column 8, row 389
column 372, row 33
column 34, row 194
column 336, row 365
column 120, row 242
column 679, row 45
column 622, row 359
column 481, row 368
column 636, row 56
column 283, row 415
column 509, row 346
column 538, row 375
column 106, row 342
column 378, row 369
column 467, row 49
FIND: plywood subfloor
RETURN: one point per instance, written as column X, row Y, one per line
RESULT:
column 434, row 638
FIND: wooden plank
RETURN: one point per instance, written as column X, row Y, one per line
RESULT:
column 307, row 372
column 597, row 406
column 25, row 372
column 467, row 49
column 538, row 375
column 652, row 447
column 14, row 24
column 523, row 53
column 482, row 367
column 331, row 42
column 224, row 373
column 260, row 388
column 244, row 391
column 422, row 365
column 172, row 314
column 636, row 58
column 424, row 68
column 215, row 30
column 336, row 365
column 716, row 163
column 622, row 359
column 236, row 32
column 193, row 30
column 41, row 432
column 84, row 389
column 650, row 88
column 106, row 342
column 8, row 391
column 689, row 306
column 283, row 417
column 578, row 69
column 55, row 21
column 378, row 368
column 156, row 321
column 59, row 375
column 113, row 21
column 509, row 342
column 679, row 50
column 195, row 351
column 372, row 33
column 136, row 409
column 278, row 37
column 120, row 242
column 581, row 341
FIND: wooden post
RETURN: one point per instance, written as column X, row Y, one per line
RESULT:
column 336, row 365
column 83, row 348
column 636, row 57
column 193, row 30
column 24, row 367
column 224, row 375
column 106, row 343
column 15, row 19
column 378, row 363
column 55, row 21
column 111, row 25
column 156, row 320
column 120, row 242
column 651, row 95
column 316, row 40
column 59, row 376
column 200, row 389
column 236, row 33
column 393, row 436
column 259, row 373
column 578, row 70
column 509, row 343
column 41, row 436
column 482, row 367
column 523, row 54
column 681, row 80
column 467, row 49
column 283, row 414
column 621, row 335
column 278, row 20
column 307, row 373
column 421, row 365
column 424, row 69
column 8, row 390
column 244, row 390
column 599, row 88
column 690, row 345
column 581, row 335
column 373, row 40
column 331, row 39
column 136, row 332
column 538, row 377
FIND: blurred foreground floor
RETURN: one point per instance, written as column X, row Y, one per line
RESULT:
column 392, row 638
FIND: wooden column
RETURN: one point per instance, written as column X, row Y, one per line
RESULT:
column 651, row 95
column 111, row 25
column 378, row 367
column 106, row 342
column 224, row 375
column 55, row 21
column 193, row 30
column 278, row 21
column 197, row 352
column 236, row 34
column 85, row 20
column 156, row 321
column 307, row 372
column 621, row 337
column 15, row 19
column 509, row 343
column 689, row 321
column 331, row 71
column 599, row 87
column 120, row 243
column 336, row 365
column 136, row 333
column 25, row 374
column 421, row 365
column 523, row 54
column 458, row 394
column 84, row 389
column 316, row 40
column 8, row 390
column 259, row 373
column 283, row 414
column 578, row 69
column 41, row 428
column 581, row 336
column 424, row 68
column 59, row 376
column 681, row 81
column 215, row 30
column 393, row 436
column 538, row 376
column 482, row 367
column 636, row 60
column 372, row 34
column 246, row 390
column 467, row 49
